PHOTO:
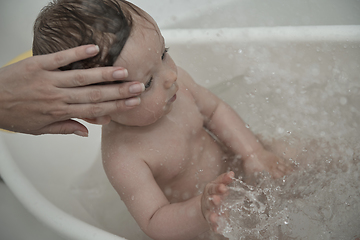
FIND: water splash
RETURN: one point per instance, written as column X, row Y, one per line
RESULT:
column 319, row 200
column 249, row 211
column 314, row 124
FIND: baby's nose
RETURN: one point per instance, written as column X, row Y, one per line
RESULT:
column 171, row 77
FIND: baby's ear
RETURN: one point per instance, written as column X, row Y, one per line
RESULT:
column 99, row 120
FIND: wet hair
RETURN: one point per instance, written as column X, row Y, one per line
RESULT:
column 65, row 24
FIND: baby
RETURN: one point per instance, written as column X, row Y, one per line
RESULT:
column 168, row 158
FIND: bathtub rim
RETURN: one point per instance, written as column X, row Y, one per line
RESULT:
column 335, row 33
column 45, row 211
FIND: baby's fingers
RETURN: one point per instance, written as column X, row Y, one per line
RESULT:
column 216, row 189
column 213, row 221
column 277, row 173
column 219, row 185
column 216, row 200
column 282, row 169
column 225, row 178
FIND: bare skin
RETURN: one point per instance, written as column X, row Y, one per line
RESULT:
column 36, row 98
column 166, row 167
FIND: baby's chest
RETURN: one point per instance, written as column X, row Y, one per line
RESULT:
column 178, row 144
column 186, row 114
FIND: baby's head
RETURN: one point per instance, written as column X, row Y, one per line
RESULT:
column 126, row 35
column 65, row 24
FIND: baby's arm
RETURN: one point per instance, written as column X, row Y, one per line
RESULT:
column 134, row 182
column 226, row 124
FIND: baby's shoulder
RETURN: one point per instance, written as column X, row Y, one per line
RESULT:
column 129, row 140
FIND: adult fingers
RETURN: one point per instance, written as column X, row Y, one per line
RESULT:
column 103, row 93
column 101, row 109
column 83, row 77
column 98, row 121
column 59, row 59
column 65, row 127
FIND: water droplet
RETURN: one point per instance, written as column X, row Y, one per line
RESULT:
column 247, row 126
column 280, row 130
column 349, row 152
column 343, row 100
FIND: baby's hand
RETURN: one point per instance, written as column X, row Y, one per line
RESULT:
column 212, row 197
column 263, row 160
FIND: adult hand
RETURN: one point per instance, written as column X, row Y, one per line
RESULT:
column 36, row 98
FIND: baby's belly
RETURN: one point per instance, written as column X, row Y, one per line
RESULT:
column 207, row 161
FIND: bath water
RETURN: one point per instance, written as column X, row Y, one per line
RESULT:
column 308, row 113
column 313, row 123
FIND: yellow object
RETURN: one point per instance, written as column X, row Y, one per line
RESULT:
column 18, row 58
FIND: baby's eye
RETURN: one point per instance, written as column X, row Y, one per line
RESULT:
column 163, row 55
column 148, row 84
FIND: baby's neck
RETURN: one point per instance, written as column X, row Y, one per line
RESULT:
column 115, row 124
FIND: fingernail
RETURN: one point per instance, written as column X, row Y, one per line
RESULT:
column 120, row 74
column 81, row 134
column 137, row 88
column 92, row 50
column 132, row 102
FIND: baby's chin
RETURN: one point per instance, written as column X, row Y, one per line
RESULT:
column 138, row 121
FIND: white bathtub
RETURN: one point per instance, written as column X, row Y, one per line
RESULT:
column 59, row 178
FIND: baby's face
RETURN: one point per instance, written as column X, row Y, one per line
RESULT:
column 146, row 59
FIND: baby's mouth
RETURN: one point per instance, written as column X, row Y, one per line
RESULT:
column 172, row 99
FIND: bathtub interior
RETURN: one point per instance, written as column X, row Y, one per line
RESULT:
column 67, row 172
column 301, row 95
column 258, row 13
